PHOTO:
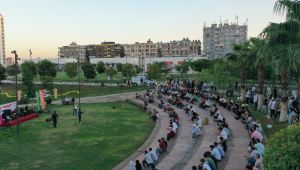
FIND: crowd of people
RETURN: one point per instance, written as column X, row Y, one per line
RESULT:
column 187, row 95
column 9, row 115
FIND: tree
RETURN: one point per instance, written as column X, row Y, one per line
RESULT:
column 88, row 70
column 127, row 70
column 282, row 41
column 47, row 73
column 110, row 71
column 46, row 68
column 29, row 72
column 137, row 69
column 282, row 150
column 11, row 70
column 183, row 67
column 154, row 71
column 2, row 73
column 87, row 55
column 100, row 67
column 71, row 69
column 257, row 47
column 119, row 67
column 201, row 64
column 240, row 56
column 122, row 52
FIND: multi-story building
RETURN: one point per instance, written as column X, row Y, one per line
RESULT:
column 219, row 39
column 181, row 48
column 2, row 41
column 108, row 50
column 73, row 51
column 144, row 50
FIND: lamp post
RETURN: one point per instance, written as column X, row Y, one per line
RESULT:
column 30, row 53
column 78, row 76
column 16, row 76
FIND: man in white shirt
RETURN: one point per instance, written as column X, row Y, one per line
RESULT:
column 215, row 152
column 148, row 159
column 272, row 106
column 223, row 133
column 153, row 155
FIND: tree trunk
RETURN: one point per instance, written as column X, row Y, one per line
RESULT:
column 243, row 77
column 260, row 99
column 261, row 81
column 284, row 96
column 243, row 94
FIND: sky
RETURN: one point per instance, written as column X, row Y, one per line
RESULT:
column 45, row 25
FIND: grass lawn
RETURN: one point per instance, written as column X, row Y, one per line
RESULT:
column 277, row 126
column 104, row 139
column 86, row 91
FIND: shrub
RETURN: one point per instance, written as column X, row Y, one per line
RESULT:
column 282, row 150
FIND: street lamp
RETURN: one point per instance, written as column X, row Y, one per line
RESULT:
column 30, row 53
column 16, row 74
column 78, row 76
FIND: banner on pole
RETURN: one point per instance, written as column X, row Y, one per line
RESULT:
column 19, row 92
column 42, row 99
column 38, row 104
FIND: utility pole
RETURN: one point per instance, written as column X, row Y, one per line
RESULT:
column 78, row 76
column 16, row 76
column 30, row 53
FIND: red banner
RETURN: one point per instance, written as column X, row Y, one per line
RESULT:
column 42, row 99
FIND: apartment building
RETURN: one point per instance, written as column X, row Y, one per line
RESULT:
column 218, row 39
column 182, row 48
column 73, row 51
column 145, row 50
column 108, row 50
column 2, row 41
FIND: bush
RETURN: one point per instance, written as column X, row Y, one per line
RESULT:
column 282, row 150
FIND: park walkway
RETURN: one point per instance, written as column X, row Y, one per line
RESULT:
column 184, row 143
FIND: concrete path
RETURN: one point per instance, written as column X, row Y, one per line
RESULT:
column 209, row 136
column 183, row 145
column 240, row 140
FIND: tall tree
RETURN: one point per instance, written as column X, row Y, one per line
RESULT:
column 258, row 54
column 110, row 71
column 281, row 38
column 2, row 73
column 29, row 72
column 154, row 71
column 119, row 67
column 240, row 56
column 100, row 67
column 89, row 71
column 71, row 69
column 11, row 70
column 47, row 73
column 127, row 70
column 201, row 64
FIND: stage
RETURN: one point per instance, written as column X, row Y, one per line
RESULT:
column 21, row 120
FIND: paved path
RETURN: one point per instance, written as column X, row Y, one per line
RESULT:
column 209, row 136
column 183, row 144
column 240, row 140
column 65, row 83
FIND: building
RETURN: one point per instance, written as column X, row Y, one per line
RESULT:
column 183, row 48
column 2, row 41
column 218, row 39
column 144, row 50
column 108, row 50
column 73, row 51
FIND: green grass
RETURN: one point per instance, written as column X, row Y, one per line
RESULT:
column 277, row 126
column 86, row 91
column 104, row 139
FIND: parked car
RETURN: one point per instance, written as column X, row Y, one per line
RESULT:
column 141, row 79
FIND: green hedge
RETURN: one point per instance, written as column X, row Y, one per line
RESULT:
column 283, row 150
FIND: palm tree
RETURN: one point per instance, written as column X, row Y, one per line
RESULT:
column 258, row 54
column 240, row 56
column 281, row 38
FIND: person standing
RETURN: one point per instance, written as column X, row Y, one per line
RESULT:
column 54, row 119
column 79, row 114
column 75, row 108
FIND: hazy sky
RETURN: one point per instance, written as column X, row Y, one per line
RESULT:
column 44, row 25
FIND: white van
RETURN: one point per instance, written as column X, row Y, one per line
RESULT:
column 141, row 79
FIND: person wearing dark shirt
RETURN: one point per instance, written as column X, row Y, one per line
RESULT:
column 79, row 114
column 54, row 119
column 138, row 165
